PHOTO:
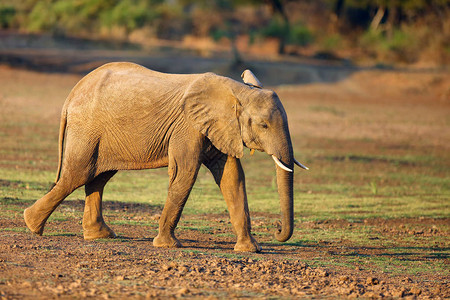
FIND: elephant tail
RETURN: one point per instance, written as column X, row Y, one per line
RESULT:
column 62, row 133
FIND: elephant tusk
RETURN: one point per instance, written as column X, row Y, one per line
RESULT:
column 300, row 165
column 278, row 162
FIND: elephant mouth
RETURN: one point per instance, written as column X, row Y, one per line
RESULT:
column 254, row 146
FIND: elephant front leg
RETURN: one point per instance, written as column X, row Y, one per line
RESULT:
column 94, row 227
column 182, row 177
column 229, row 175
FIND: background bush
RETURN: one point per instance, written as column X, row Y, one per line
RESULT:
column 391, row 31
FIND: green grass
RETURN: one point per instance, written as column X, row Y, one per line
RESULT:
column 368, row 247
column 61, row 233
column 15, row 229
column 412, row 186
column 335, row 187
column 327, row 109
column 133, row 223
column 118, row 239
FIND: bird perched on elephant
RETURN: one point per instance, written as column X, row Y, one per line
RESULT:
column 123, row 116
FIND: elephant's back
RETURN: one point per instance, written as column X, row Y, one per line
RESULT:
column 129, row 69
column 121, row 84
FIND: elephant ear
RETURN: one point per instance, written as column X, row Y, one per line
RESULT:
column 211, row 107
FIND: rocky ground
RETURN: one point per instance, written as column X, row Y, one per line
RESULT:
column 61, row 264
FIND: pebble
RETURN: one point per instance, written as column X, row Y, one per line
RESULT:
column 416, row 291
column 372, row 281
column 183, row 291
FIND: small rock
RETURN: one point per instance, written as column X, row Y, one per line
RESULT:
column 372, row 281
column 75, row 284
column 257, row 285
column 184, row 269
column 407, row 280
column 433, row 230
column 156, row 217
column 173, row 265
column 92, row 292
column 169, row 266
column 370, row 295
column 151, row 294
column 416, row 291
column 183, row 291
column 399, row 293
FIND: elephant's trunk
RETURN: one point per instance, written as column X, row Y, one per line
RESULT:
column 285, row 182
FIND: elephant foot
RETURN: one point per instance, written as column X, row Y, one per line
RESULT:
column 103, row 233
column 166, row 242
column 249, row 245
column 36, row 227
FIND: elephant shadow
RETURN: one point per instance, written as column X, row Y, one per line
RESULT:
column 119, row 206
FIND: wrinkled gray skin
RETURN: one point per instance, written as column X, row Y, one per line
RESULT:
column 123, row 116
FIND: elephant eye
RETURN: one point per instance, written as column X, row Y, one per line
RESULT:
column 263, row 125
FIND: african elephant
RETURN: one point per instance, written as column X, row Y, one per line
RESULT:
column 123, row 116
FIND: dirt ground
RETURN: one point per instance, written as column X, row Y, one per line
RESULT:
column 63, row 265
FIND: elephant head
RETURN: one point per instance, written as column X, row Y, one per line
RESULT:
column 233, row 115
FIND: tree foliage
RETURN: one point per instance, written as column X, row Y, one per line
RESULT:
column 89, row 16
column 386, row 25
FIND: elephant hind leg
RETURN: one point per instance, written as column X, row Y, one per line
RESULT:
column 36, row 215
column 94, row 226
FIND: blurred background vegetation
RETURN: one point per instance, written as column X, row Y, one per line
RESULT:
column 388, row 31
